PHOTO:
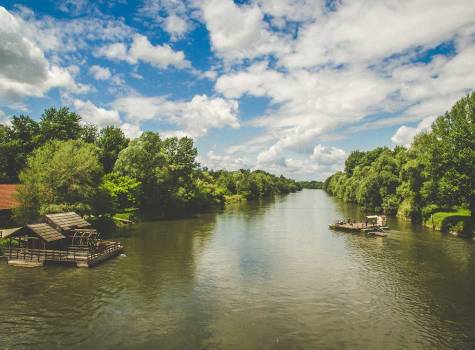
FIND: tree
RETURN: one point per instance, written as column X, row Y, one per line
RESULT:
column 61, row 175
column 144, row 160
column 60, row 124
column 454, row 138
column 3, row 155
column 89, row 133
column 16, row 142
column 124, row 190
column 111, row 141
column 354, row 159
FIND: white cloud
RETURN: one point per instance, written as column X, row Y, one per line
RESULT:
column 173, row 16
column 115, row 51
column 100, row 73
column 283, row 11
column 131, row 131
column 405, row 134
column 384, row 28
column 176, row 26
column 161, row 56
column 103, row 117
column 334, row 78
column 328, row 155
column 74, row 7
column 306, row 104
column 3, row 117
column 195, row 117
column 326, row 71
column 63, row 37
column 24, row 70
column 239, row 32
column 92, row 114
column 220, row 161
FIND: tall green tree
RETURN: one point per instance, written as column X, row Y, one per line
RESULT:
column 454, row 148
column 17, row 141
column 111, row 141
column 144, row 160
column 60, row 124
column 124, row 191
column 61, row 175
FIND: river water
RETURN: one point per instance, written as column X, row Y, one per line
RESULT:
column 263, row 275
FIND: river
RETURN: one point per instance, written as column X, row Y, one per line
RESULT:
column 263, row 275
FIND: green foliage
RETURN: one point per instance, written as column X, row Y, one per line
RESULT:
column 16, row 142
column 19, row 139
column 456, row 220
column 315, row 185
column 253, row 184
column 111, row 141
column 172, row 183
column 124, row 191
column 61, row 175
column 67, row 166
column 60, row 124
column 437, row 171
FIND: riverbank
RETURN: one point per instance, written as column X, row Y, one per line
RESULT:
column 449, row 221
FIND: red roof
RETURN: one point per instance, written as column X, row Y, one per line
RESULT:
column 7, row 197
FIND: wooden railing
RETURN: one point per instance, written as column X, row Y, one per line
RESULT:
column 72, row 254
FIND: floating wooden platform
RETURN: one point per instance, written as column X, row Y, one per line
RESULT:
column 354, row 227
column 25, row 257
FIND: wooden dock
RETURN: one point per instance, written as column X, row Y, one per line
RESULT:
column 354, row 227
column 372, row 223
column 26, row 257
column 63, row 238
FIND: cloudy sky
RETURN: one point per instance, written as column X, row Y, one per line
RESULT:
column 289, row 86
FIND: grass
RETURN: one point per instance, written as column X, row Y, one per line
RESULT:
column 4, row 244
column 234, row 198
column 447, row 220
column 125, row 214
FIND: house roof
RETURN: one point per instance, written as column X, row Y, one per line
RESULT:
column 46, row 232
column 7, row 232
column 67, row 221
column 42, row 231
column 7, row 196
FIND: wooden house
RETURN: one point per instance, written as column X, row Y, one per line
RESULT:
column 8, row 202
column 63, row 237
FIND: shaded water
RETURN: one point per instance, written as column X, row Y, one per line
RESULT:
column 267, row 275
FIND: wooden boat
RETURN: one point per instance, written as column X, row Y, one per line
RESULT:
column 372, row 223
column 377, row 234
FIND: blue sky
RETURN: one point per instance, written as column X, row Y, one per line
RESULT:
column 289, row 86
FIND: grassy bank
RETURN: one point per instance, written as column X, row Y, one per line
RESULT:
column 449, row 221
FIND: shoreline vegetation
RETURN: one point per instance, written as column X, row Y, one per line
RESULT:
column 65, row 165
column 430, row 182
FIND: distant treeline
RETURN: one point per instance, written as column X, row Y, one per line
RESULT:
column 65, row 165
column 436, row 173
column 315, row 185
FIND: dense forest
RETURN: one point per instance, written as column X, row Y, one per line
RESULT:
column 66, row 165
column 314, row 185
column 434, row 175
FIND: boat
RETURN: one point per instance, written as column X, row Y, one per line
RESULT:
column 377, row 233
column 372, row 223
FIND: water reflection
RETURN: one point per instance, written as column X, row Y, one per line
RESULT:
column 429, row 275
column 262, row 275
